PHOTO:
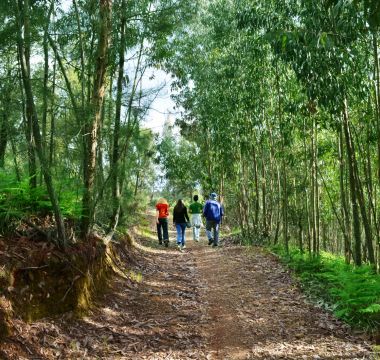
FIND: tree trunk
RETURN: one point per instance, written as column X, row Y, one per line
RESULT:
column 3, row 137
column 14, row 151
column 377, row 96
column 257, row 195
column 92, row 125
column 315, row 188
column 32, row 166
column 353, row 186
column 264, row 195
column 343, row 198
column 285, row 208
column 46, row 76
column 115, row 171
column 363, row 212
column 52, row 117
column 23, row 47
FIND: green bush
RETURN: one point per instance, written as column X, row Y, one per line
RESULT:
column 18, row 200
column 352, row 293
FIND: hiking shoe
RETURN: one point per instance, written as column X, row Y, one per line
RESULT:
column 183, row 246
column 166, row 243
column 179, row 247
column 210, row 241
column 160, row 243
column 215, row 245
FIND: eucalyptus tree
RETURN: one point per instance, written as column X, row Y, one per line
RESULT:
column 22, row 18
column 289, row 80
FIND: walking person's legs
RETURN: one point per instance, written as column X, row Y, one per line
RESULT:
column 196, row 222
column 183, row 235
column 159, row 232
column 209, row 225
column 179, row 234
column 197, row 230
column 165, row 231
column 216, row 234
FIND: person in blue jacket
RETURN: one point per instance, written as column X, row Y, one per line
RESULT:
column 213, row 212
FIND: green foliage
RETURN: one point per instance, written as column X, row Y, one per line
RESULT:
column 353, row 294
column 18, row 200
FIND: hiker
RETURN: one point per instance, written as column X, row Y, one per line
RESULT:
column 180, row 220
column 195, row 210
column 213, row 212
column 162, row 213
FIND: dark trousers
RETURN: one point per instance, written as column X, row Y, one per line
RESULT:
column 162, row 229
column 212, row 231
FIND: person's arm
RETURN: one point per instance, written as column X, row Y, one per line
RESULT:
column 186, row 214
column 174, row 216
column 157, row 214
column 205, row 209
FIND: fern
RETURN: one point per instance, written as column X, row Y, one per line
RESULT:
column 352, row 293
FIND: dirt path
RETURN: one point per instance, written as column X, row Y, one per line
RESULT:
column 202, row 303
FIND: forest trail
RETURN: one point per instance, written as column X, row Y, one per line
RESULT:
column 201, row 303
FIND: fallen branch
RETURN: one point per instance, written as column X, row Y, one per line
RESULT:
column 71, row 286
column 35, row 227
column 34, row 267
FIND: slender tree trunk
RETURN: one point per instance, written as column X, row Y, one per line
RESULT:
column 353, row 187
column 315, row 188
column 377, row 96
column 343, row 198
column 372, row 214
column 82, row 62
column 3, row 137
column 257, row 191
column 92, row 126
column 115, row 171
column 278, row 207
column 363, row 212
column 285, row 208
column 46, row 77
column 28, row 133
column 14, row 151
column 24, row 46
column 264, row 195
column 138, row 181
column 52, row 117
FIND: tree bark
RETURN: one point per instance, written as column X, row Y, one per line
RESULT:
column 92, row 125
column 343, row 199
column 353, row 186
column 315, row 188
column 115, row 184
column 23, row 22
column 3, row 137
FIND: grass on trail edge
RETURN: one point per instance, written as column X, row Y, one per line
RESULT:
column 352, row 293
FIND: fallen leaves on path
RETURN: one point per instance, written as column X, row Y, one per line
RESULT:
column 201, row 303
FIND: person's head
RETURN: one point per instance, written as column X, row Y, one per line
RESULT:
column 162, row 201
column 213, row 196
column 195, row 197
column 180, row 205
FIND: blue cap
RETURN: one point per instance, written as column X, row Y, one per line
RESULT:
column 213, row 195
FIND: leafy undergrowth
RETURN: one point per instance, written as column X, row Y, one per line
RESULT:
column 20, row 203
column 352, row 293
